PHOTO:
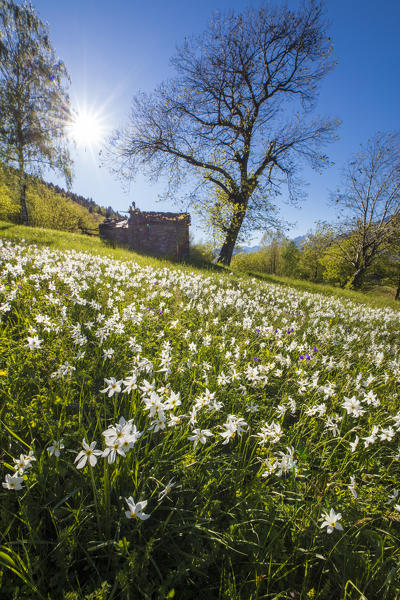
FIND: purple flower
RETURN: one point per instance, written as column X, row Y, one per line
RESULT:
column 255, row 358
column 301, row 357
column 20, row 287
column 315, row 349
column 308, row 357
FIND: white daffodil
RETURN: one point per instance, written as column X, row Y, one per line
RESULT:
column 114, row 447
column 371, row 439
column 55, row 448
column 286, row 462
column 87, row 454
column 154, row 404
column 22, row 463
column 352, row 486
column 353, row 406
column 33, row 343
column 173, row 401
column 233, row 425
column 353, row 445
column 200, row 435
column 130, row 383
column 113, row 386
column 331, row 521
column 13, row 482
column 387, row 434
column 135, row 509
column 166, row 490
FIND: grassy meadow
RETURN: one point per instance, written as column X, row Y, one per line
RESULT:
column 176, row 432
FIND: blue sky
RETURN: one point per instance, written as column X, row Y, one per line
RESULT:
column 113, row 49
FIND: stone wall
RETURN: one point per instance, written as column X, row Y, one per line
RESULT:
column 114, row 231
column 154, row 233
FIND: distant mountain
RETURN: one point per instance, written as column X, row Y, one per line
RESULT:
column 246, row 249
column 299, row 240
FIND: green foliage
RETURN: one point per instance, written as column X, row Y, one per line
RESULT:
column 47, row 209
column 278, row 256
column 265, row 260
column 291, row 257
column 270, row 259
column 313, row 249
column 201, row 254
column 9, row 208
column 324, row 257
column 46, row 206
column 337, row 269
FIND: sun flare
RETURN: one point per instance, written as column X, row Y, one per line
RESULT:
column 86, row 129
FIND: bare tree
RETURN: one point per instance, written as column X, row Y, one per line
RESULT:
column 370, row 204
column 234, row 118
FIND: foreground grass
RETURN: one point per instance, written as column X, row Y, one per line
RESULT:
column 240, row 414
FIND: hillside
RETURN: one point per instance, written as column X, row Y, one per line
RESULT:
column 49, row 205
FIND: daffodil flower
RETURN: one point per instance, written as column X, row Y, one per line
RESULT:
column 135, row 509
column 331, row 521
column 13, row 482
column 87, row 454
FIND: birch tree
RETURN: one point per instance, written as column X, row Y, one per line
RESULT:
column 34, row 105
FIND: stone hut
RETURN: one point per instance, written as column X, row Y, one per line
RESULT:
column 155, row 233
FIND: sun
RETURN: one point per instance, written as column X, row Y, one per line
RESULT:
column 86, row 129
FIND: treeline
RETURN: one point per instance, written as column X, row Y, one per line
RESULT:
column 48, row 205
column 87, row 203
column 323, row 256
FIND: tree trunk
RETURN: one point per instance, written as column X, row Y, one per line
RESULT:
column 397, row 296
column 225, row 254
column 22, row 182
column 24, row 210
column 315, row 273
column 356, row 279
